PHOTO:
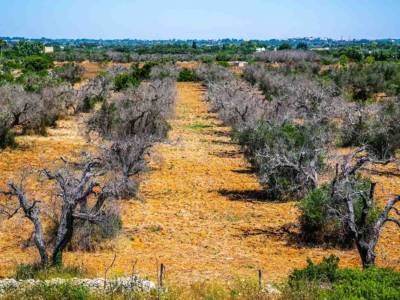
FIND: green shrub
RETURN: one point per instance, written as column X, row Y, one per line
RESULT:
column 326, row 281
column 133, row 77
column 7, row 138
column 37, row 63
column 322, row 272
column 5, row 77
column 319, row 221
column 315, row 224
column 124, row 81
column 88, row 104
column 187, row 75
column 371, row 284
column 64, row 291
column 224, row 64
column 142, row 72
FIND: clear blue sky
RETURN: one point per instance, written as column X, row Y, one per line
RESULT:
column 164, row 19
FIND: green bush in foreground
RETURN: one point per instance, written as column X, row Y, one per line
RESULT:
column 327, row 281
column 64, row 291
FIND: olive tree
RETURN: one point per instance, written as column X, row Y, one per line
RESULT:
column 80, row 191
column 358, row 211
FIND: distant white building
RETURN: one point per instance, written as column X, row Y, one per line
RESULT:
column 240, row 64
column 261, row 49
column 48, row 49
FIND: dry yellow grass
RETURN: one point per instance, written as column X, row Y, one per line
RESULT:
column 188, row 220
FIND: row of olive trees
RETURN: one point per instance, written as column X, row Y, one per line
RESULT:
column 26, row 111
column 78, row 55
column 288, row 137
column 86, row 190
column 286, row 56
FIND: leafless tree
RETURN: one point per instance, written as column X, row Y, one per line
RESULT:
column 126, row 158
column 136, row 112
column 212, row 73
column 96, row 88
column 364, row 231
column 237, row 103
column 286, row 56
column 34, row 111
column 164, row 71
column 76, row 184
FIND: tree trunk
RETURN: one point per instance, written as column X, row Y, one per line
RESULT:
column 40, row 245
column 64, row 233
column 367, row 254
column 32, row 212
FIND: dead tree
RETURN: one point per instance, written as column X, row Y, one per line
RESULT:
column 126, row 158
column 76, row 183
column 136, row 112
column 344, row 191
column 237, row 103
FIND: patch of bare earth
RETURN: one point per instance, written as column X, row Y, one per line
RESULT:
column 201, row 213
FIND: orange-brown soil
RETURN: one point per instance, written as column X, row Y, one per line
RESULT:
column 200, row 215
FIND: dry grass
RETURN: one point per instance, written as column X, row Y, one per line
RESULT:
column 200, row 215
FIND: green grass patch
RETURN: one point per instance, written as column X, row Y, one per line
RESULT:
column 44, row 291
column 35, row 271
column 198, row 126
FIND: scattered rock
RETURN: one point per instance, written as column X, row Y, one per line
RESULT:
column 124, row 283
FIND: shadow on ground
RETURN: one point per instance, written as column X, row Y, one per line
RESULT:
column 248, row 195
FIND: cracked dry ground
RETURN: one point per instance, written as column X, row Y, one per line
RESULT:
column 200, row 214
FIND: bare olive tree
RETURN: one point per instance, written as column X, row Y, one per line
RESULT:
column 129, row 123
column 136, row 112
column 34, row 111
column 286, row 56
column 237, row 103
column 358, row 207
column 76, row 184
column 213, row 73
column 95, row 89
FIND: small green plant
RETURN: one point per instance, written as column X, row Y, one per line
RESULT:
column 124, row 81
column 199, row 126
column 187, row 75
column 323, row 272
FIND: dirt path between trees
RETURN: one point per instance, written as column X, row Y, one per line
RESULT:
column 201, row 213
